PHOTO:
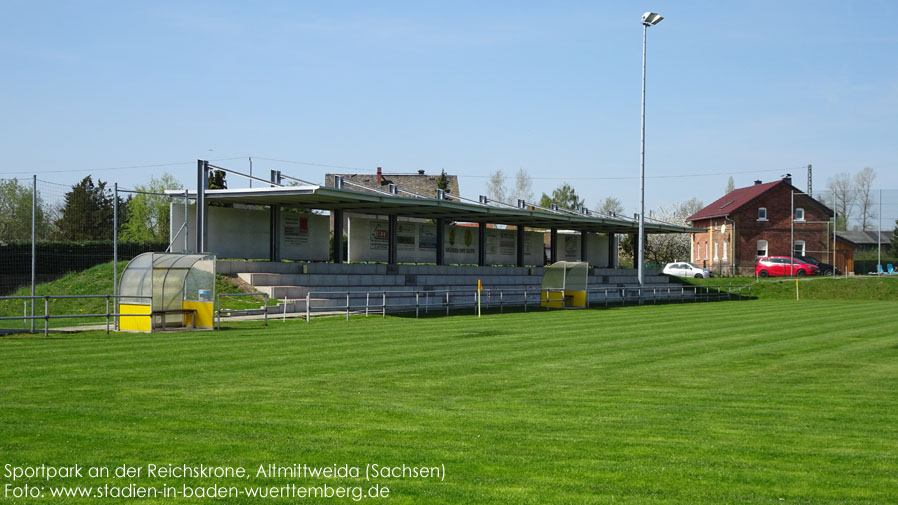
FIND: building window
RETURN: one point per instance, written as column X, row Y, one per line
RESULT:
column 715, row 251
column 725, row 247
column 762, row 214
column 762, row 248
column 798, row 248
column 799, row 214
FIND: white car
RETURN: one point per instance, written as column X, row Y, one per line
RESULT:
column 687, row 270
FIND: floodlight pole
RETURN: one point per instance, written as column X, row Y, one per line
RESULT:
column 647, row 20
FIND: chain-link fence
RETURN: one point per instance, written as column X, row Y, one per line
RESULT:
column 49, row 230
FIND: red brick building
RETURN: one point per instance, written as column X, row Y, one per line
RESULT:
column 755, row 221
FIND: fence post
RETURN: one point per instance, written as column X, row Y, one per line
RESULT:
column 367, row 302
column 383, row 306
column 218, row 312
column 33, row 244
column 115, row 243
column 447, row 302
column 525, row 300
column 107, row 314
column 417, row 303
column 308, row 307
column 46, row 316
column 266, row 308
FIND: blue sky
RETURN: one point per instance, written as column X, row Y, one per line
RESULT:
column 754, row 89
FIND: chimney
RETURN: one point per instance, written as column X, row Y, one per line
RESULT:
column 787, row 178
column 380, row 176
column 420, row 171
column 757, row 182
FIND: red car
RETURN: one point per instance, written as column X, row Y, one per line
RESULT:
column 773, row 266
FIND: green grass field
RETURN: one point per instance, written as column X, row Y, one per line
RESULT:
column 731, row 402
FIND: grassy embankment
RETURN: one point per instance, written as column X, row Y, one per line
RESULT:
column 96, row 280
column 811, row 288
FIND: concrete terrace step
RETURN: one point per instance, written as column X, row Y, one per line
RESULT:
column 456, row 278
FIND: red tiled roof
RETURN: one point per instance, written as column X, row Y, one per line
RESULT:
column 733, row 200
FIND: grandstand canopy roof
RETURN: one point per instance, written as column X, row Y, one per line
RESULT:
column 326, row 198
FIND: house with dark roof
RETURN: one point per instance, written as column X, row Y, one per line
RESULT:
column 760, row 220
column 421, row 183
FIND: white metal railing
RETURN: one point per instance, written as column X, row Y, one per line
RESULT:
column 47, row 316
column 346, row 303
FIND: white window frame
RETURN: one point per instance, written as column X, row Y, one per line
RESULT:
column 762, row 210
column 796, row 245
column 758, row 248
column 726, row 245
column 799, row 215
column 716, row 258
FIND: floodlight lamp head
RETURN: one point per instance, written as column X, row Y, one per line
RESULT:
column 651, row 18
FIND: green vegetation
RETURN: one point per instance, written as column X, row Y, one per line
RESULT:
column 732, row 402
column 811, row 288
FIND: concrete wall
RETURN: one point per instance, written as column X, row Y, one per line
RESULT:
column 416, row 243
column 244, row 233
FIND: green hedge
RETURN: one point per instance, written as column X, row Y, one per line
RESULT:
column 862, row 267
column 55, row 259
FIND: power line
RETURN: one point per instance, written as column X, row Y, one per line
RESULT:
column 104, row 169
column 368, row 170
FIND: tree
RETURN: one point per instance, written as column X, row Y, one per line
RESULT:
column 610, row 206
column 523, row 188
column 863, row 182
column 495, row 188
column 661, row 248
column 731, row 186
column 842, row 197
column 87, row 213
column 443, row 181
column 218, row 180
column 15, row 212
column 149, row 215
column 564, row 196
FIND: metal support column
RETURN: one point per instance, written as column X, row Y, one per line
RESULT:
column 337, row 215
column 202, row 184
column 584, row 245
column 553, row 245
column 481, row 244
column 274, row 233
column 441, row 246
column 391, row 240
column 274, row 221
column 612, row 249
column 519, row 248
